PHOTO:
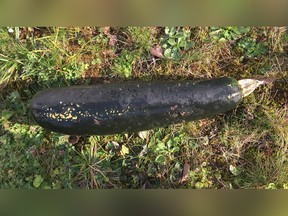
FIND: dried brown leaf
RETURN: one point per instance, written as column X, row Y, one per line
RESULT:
column 109, row 53
column 106, row 30
column 73, row 139
column 116, row 144
column 147, row 185
column 113, row 40
column 185, row 174
column 143, row 134
column 157, row 51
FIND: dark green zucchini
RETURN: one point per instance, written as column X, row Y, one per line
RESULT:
column 132, row 106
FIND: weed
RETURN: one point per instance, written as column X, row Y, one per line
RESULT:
column 176, row 42
column 222, row 34
column 124, row 64
column 252, row 48
column 140, row 38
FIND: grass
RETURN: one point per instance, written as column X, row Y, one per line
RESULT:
column 244, row 148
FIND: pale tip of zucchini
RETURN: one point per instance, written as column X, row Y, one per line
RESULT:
column 249, row 85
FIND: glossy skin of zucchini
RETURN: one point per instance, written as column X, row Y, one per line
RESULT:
column 132, row 106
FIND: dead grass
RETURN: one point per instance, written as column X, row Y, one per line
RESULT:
column 244, row 148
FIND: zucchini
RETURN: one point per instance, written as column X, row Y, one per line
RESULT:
column 132, row 106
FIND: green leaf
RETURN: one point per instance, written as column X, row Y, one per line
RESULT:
column 160, row 159
column 172, row 31
column 17, row 33
column 167, row 52
column 3, row 138
column 199, row 185
column 243, row 30
column 175, row 149
column 165, row 46
column 213, row 28
column 261, row 49
column 271, row 186
column 189, row 45
column 124, row 150
column 226, row 34
column 169, row 143
column 177, row 139
column 193, row 144
column 161, row 146
column 222, row 40
column 38, row 181
column 175, row 54
column 172, row 41
column 6, row 114
column 167, row 30
column 234, row 170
